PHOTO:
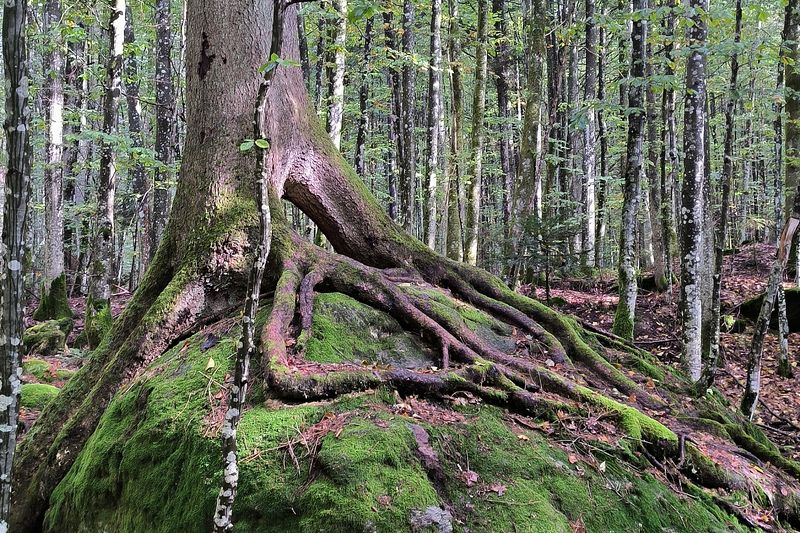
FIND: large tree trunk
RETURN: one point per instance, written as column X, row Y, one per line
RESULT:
column 199, row 273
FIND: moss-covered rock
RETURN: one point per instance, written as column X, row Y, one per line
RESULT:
column 345, row 330
column 37, row 395
column 54, row 304
column 153, row 463
column 47, row 338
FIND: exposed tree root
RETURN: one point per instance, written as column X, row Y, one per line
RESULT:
column 469, row 363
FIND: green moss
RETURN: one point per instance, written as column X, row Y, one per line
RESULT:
column 97, row 323
column 545, row 492
column 37, row 395
column 64, row 374
column 623, row 324
column 37, row 368
column 346, row 330
column 637, row 425
column 47, row 338
column 54, row 304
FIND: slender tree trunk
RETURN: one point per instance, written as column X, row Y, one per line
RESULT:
column 74, row 102
column 336, row 113
column 455, row 226
column 141, row 181
column 693, row 185
column 792, row 169
column 15, row 213
column 529, row 186
column 54, row 166
column 363, row 101
column 722, row 229
column 223, row 514
column 434, row 120
column 396, row 137
column 602, row 185
column 166, row 107
column 669, row 157
column 408, row 170
column 653, row 179
column 589, row 156
column 103, row 245
column 501, row 68
column 628, row 289
column 477, row 140
column 304, row 61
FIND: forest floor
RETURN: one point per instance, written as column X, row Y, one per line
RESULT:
column 593, row 302
column 657, row 330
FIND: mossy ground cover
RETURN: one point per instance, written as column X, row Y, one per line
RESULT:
column 153, row 465
column 37, row 395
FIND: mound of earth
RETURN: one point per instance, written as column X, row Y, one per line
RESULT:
column 381, row 461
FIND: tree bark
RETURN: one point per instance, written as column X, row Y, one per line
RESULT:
column 722, row 229
column 626, row 310
column 54, row 166
column 434, row 120
column 653, row 179
column 102, row 270
column 336, row 112
column 408, row 164
column 589, row 157
column 693, row 191
column 529, row 185
column 16, row 196
column 142, row 185
column 363, row 101
column 602, row 185
column 477, row 139
column 501, row 68
column 165, row 127
column 455, row 225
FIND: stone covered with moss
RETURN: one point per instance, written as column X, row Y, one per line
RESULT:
column 153, row 462
column 37, row 395
column 47, row 338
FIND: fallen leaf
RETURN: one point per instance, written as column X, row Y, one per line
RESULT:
column 211, row 364
column 211, row 341
column 572, row 459
column 498, row 488
column 469, row 477
column 522, row 437
column 602, row 466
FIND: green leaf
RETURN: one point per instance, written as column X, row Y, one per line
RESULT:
column 246, row 145
column 262, row 143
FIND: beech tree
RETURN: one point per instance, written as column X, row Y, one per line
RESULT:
column 103, row 245
column 628, row 288
column 257, row 159
column 15, row 214
column 692, row 193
